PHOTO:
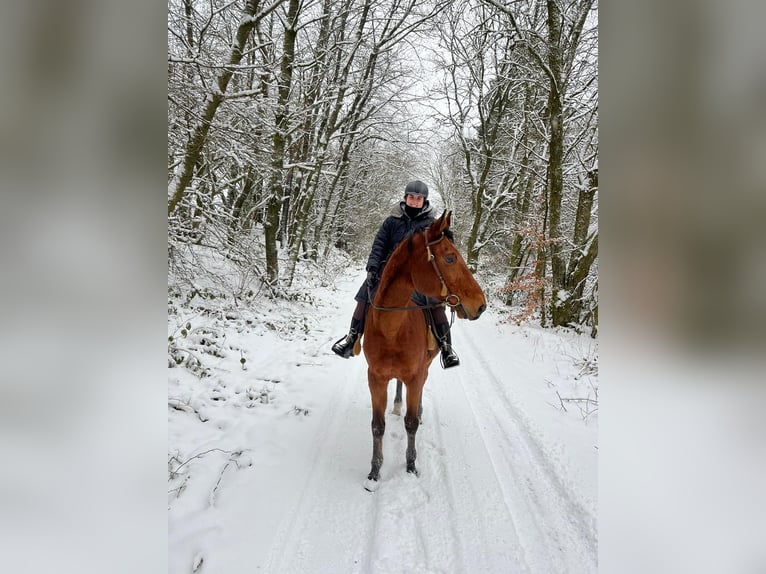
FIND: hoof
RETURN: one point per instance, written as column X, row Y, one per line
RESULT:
column 412, row 470
column 371, row 485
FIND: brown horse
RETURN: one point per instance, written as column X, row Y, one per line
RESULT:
column 396, row 341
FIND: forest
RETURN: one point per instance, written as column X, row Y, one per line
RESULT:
column 294, row 124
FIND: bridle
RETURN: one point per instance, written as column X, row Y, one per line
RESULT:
column 449, row 299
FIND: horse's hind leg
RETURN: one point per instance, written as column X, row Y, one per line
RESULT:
column 379, row 396
column 397, row 410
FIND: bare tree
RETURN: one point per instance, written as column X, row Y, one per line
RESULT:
column 252, row 13
column 521, row 92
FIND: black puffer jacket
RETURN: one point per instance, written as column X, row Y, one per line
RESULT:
column 395, row 228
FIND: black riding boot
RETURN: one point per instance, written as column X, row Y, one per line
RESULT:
column 345, row 345
column 444, row 337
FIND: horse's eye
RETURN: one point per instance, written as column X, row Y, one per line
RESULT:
column 450, row 259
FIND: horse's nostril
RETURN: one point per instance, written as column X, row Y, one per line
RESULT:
column 482, row 309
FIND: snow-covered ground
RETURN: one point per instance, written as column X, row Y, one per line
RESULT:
column 267, row 458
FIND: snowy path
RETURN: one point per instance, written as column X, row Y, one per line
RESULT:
column 497, row 490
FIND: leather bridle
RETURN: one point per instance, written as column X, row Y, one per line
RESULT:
column 449, row 299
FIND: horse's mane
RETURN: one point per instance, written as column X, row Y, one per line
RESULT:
column 397, row 260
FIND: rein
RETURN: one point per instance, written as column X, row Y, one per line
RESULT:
column 408, row 308
column 449, row 299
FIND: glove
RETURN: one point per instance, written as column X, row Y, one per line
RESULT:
column 372, row 278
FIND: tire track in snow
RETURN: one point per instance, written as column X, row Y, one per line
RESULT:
column 433, row 460
column 586, row 518
column 318, row 510
column 556, row 531
column 484, row 531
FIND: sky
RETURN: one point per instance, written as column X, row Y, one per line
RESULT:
column 268, row 458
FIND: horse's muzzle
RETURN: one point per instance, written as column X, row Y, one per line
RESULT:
column 463, row 313
column 479, row 311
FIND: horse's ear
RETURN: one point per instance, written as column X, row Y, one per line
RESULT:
column 440, row 225
column 443, row 222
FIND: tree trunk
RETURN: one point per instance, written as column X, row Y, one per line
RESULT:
column 555, row 172
column 540, row 274
column 577, row 279
column 521, row 212
column 517, row 248
column 582, row 257
column 281, row 121
column 236, row 223
column 582, row 223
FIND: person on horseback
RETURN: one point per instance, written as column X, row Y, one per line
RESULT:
column 412, row 214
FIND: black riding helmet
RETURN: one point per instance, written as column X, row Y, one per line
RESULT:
column 417, row 187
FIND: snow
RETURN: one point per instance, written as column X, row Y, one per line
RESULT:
column 268, row 459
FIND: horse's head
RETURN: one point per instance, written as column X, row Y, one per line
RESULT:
column 443, row 273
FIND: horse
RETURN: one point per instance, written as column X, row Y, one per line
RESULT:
column 396, row 338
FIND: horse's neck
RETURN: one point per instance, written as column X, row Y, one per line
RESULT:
column 395, row 292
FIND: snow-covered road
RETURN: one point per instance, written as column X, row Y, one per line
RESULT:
column 507, row 479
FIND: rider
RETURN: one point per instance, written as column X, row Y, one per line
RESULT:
column 413, row 214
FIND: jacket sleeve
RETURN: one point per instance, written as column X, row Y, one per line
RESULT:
column 379, row 246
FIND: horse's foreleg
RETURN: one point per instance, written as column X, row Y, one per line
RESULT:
column 379, row 396
column 411, row 423
column 420, row 411
column 397, row 410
